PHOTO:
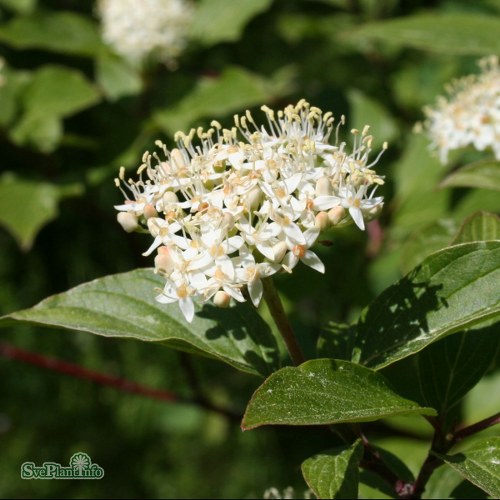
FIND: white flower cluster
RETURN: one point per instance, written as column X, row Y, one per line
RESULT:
column 137, row 29
column 470, row 115
column 229, row 207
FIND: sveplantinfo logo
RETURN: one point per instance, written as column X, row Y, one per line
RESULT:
column 80, row 467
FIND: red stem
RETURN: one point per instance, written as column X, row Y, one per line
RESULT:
column 56, row 365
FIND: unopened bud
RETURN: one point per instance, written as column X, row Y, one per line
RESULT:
column 279, row 251
column 128, row 221
column 163, row 261
column 169, row 197
column 222, row 299
column 336, row 214
column 253, row 198
column 228, row 221
column 322, row 221
column 150, row 211
column 323, row 187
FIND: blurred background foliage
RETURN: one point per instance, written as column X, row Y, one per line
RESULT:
column 72, row 112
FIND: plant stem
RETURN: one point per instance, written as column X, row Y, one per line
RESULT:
column 275, row 306
column 478, row 426
column 121, row 384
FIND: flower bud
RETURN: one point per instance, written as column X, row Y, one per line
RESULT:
column 150, row 211
column 169, row 197
column 323, row 187
column 336, row 214
column 322, row 221
column 128, row 221
column 279, row 251
column 222, row 299
column 228, row 221
column 253, row 198
column 163, row 261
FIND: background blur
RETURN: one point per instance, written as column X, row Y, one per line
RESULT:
column 72, row 111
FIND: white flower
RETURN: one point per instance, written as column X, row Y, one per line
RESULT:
column 357, row 204
column 302, row 252
column 137, row 29
column 470, row 115
column 179, row 291
column 228, row 208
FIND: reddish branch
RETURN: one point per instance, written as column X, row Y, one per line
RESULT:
column 57, row 365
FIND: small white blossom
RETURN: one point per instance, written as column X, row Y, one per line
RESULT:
column 228, row 208
column 470, row 115
column 137, row 29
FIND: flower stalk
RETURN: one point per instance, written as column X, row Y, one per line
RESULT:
column 273, row 301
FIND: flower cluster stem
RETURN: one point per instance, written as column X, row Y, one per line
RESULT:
column 280, row 318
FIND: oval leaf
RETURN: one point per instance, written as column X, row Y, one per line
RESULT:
column 59, row 91
column 481, row 226
column 325, row 391
column 123, row 305
column 334, row 473
column 482, row 174
column 448, row 369
column 457, row 33
column 36, row 204
column 450, row 291
column 61, row 32
column 479, row 464
column 222, row 21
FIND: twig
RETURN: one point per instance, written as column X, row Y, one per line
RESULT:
column 477, row 427
column 15, row 353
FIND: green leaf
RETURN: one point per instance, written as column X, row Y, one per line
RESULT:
column 416, row 173
column 368, row 111
column 336, row 341
column 222, row 21
column 116, row 76
column 448, row 369
column 62, row 32
column 481, row 226
column 43, row 132
column 59, row 91
column 451, row 290
column 334, row 473
column 426, row 241
column 475, row 200
column 481, row 174
column 234, row 90
column 325, row 391
column 11, row 92
column 417, row 169
column 446, row 482
column 478, row 403
column 123, row 305
column 25, row 207
column 479, row 464
column 450, row 33
column 19, row 6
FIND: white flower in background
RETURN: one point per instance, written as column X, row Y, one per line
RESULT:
column 470, row 115
column 228, row 208
column 137, row 29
